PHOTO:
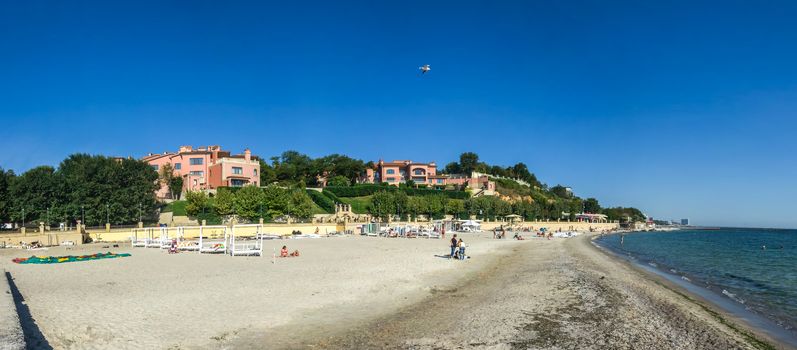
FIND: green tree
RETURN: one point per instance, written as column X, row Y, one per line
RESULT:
column 401, row 201
column 294, row 167
column 33, row 193
column 416, row 205
column 383, row 205
column 455, row 207
column 468, row 162
column 591, row 205
column 176, row 186
column 165, row 176
column 267, row 174
column 338, row 180
column 224, row 202
column 561, row 191
column 502, row 208
column 276, row 200
column 338, row 165
column 196, row 203
column 452, row 168
column 249, row 202
column 6, row 179
column 435, row 206
column 301, row 206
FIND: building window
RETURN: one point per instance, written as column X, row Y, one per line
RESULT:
column 418, row 171
column 439, row 181
column 255, row 174
column 237, row 170
column 154, row 166
column 194, row 182
column 391, row 179
column 237, row 183
column 390, row 171
column 196, row 161
column 178, row 166
column 197, row 173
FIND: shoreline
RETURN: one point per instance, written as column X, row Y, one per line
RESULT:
column 706, row 298
column 758, row 330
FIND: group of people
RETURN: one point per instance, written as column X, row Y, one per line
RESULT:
column 284, row 252
column 457, row 248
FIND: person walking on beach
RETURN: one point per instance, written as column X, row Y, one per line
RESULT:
column 453, row 245
column 461, row 246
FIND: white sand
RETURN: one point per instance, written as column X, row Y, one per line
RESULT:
column 188, row 300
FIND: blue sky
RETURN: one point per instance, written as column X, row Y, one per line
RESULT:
column 681, row 108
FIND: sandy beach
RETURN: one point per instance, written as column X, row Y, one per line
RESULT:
column 367, row 292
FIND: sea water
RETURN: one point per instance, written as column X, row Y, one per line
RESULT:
column 752, row 268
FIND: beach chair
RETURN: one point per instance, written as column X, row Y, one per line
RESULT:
column 240, row 246
column 213, row 246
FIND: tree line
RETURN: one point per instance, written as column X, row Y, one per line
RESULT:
column 90, row 187
column 292, row 168
column 249, row 203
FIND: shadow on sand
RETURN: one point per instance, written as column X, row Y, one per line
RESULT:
column 34, row 339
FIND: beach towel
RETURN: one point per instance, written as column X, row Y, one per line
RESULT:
column 67, row 258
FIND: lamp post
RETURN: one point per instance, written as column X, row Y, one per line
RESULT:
column 107, row 213
column 82, row 214
column 139, row 212
column 23, row 217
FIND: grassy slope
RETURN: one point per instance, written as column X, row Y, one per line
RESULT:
column 177, row 207
column 359, row 205
column 318, row 210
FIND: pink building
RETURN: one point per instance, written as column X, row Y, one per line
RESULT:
column 206, row 168
column 400, row 171
column 480, row 182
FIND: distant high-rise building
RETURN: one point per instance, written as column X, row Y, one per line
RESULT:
column 685, row 222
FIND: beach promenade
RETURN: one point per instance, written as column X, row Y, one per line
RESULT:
column 366, row 292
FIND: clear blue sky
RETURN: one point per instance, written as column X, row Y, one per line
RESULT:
column 683, row 109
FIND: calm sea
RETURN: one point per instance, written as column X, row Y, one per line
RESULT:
column 753, row 268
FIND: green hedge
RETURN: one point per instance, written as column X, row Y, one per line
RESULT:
column 370, row 189
column 323, row 201
column 332, row 197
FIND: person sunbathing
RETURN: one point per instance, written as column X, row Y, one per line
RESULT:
column 284, row 252
column 295, row 253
